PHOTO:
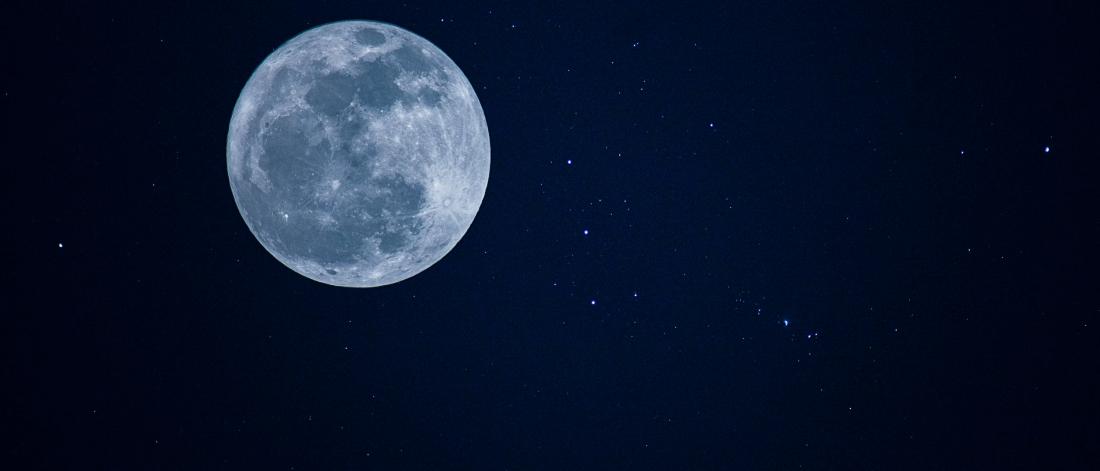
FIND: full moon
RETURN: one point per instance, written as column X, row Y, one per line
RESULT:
column 358, row 154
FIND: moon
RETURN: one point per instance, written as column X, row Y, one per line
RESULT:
column 358, row 154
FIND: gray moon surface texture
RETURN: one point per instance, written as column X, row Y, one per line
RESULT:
column 358, row 154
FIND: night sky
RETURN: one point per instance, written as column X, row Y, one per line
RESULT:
column 744, row 235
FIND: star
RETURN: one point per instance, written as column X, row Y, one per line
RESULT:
column 786, row 323
column 1046, row 150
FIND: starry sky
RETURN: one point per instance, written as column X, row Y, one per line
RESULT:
column 730, row 235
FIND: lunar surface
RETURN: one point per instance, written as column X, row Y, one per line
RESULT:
column 358, row 154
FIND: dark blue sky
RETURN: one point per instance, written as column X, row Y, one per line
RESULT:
column 747, row 235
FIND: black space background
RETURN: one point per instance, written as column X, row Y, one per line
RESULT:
column 942, row 306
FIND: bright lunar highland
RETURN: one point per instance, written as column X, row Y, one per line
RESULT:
column 358, row 154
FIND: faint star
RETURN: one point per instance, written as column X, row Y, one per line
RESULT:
column 592, row 302
column 786, row 323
